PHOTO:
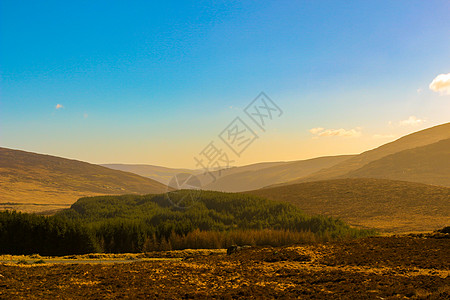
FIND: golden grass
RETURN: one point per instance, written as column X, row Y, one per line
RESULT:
column 388, row 205
column 44, row 182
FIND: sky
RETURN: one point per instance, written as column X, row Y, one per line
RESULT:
column 158, row 82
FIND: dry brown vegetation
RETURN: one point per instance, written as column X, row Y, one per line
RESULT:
column 428, row 164
column 387, row 205
column 370, row 268
column 35, row 182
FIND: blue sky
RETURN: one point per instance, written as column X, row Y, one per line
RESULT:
column 155, row 82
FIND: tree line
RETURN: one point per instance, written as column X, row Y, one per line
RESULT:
column 132, row 223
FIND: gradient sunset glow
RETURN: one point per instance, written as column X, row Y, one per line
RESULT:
column 154, row 83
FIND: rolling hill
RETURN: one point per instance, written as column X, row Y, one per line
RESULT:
column 244, row 178
column 163, row 174
column 344, row 169
column 37, row 182
column 388, row 205
column 428, row 164
column 160, row 174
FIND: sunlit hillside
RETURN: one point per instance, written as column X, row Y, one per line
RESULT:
column 389, row 205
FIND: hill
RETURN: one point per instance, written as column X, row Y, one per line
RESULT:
column 163, row 174
column 160, row 174
column 388, row 205
column 428, row 164
column 255, row 176
column 37, row 182
column 244, row 178
column 414, row 140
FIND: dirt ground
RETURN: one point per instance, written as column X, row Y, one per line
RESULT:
column 372, row 268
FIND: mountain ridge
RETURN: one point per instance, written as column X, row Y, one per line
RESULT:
column 42, row 179
column 248, row 180
column 416, row 139
column 428, row 164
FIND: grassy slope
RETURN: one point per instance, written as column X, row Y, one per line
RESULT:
column 391, row 206
column 416, row 139
column 428, row 164
column 255, row 179
column 28, row 178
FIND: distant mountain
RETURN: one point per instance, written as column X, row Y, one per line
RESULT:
column 160, row 174
column 163, row 174
column 427, row 164
column 247, row 178
column 36, row 182
column 346, row 168
column 388, row 205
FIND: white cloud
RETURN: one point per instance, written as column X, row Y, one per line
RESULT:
column 58, row 106
column 419, row 90
column 383, row 136
column 411, row 121
column 441, row 84
column 319, row 131
column 316, row 130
